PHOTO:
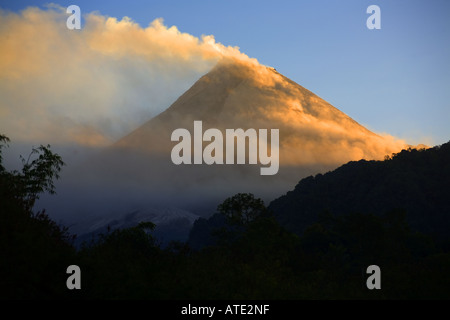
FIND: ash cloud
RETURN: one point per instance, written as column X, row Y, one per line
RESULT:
column 94, row 85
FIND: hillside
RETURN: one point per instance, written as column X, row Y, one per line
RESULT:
column 416, row 181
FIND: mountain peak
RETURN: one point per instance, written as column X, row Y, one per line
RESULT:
column 244, row 94
column 314, row 137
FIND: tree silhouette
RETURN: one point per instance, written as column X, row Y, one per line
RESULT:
column 34, row 250
column 242, row 208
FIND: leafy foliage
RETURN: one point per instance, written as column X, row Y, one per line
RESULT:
column 32, row 246
column 38, row 173
column 242, row 208
column 3, row 142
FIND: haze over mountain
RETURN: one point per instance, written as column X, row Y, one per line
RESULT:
column 137, row 171
column 171, row 224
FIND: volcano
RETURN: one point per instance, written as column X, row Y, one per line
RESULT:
column 243, row 94
column 137, row 172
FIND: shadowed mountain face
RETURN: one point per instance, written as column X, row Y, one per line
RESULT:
column 137, row 171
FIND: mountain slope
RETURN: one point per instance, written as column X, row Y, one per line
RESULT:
column 171, row 224
column 416, row 181
column 314, row 137
column 237, row 94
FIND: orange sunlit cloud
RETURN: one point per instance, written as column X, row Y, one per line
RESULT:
column 110, row 75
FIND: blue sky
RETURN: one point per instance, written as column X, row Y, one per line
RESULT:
column 394, row 80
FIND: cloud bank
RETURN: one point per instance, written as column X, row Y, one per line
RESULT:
column 92, row 86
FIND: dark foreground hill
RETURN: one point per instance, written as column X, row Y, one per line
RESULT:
column 415, row 181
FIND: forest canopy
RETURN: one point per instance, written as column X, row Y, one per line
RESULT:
column 313, row 243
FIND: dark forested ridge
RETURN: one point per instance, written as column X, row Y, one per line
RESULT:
column 415, row 181
column 242, row 251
